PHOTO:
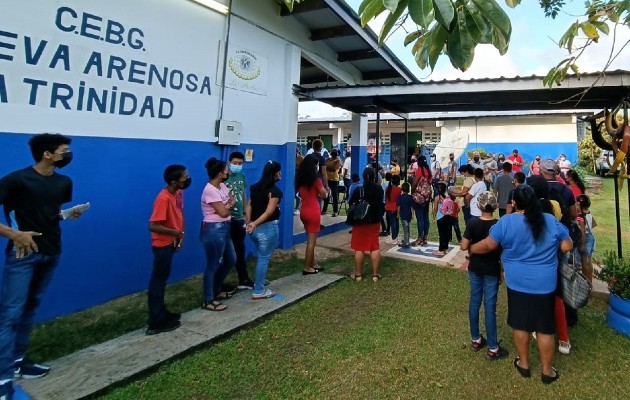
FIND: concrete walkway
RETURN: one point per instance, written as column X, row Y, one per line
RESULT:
column 92, row 370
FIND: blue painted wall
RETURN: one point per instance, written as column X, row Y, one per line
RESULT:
column 107, row 252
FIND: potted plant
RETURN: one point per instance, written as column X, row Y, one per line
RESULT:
column 616, row 273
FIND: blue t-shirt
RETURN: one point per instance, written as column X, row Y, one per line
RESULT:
column 529, row 267
column 405, row 202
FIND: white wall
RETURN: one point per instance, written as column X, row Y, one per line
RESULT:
column 557, row 129
column 176, row 34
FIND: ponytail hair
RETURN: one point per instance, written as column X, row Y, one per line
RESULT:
column 527, row 201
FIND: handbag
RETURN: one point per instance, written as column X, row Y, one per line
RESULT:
column 358, row 211
column 576, row 288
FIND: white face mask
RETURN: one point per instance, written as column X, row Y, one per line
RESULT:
column 562, row 158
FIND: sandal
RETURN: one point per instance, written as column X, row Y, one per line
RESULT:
column 547, row 379
column 213, row 306
column 356, row 277
column 376, row 277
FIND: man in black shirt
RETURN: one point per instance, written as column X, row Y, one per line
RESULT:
column 32, row 199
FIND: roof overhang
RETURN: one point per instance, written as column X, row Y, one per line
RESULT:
column 337, row 25
column 588, row 91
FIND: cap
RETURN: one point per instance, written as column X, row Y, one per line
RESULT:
column 487, row 199
column 549, row 166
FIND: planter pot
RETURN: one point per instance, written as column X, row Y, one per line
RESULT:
column 618, row 316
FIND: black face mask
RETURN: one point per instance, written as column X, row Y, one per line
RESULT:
column 501, row 159
column 66, row 158
column 476, row 158
column 186, row 184
column 538, row 159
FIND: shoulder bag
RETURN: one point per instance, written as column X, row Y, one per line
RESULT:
column 358, row 211
column 576, row 288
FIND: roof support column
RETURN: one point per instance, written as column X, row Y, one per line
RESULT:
column 358, row 141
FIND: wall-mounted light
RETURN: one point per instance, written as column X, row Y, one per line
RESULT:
column 213, row 5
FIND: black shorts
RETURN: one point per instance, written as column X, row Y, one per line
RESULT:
column 531, row 312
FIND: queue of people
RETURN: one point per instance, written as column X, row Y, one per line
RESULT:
column 542, row 208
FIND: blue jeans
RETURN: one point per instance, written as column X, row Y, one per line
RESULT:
column 265, row 237
column 422, row 217
column 24, row 282
column 486, row 287
column 406, row 234
column 392, row 218
column 162, row 260
column 220, row 256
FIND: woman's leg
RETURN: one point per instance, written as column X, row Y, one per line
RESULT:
column 375, row 257
column 265, row 236
column 359, row 256
column 546, row 345
column 211, row 248
column 490, row 291
column 309, row 255
column 474, row 304
column 444, row 228
column 227, row 260
column 425, row 233
column 521, row 341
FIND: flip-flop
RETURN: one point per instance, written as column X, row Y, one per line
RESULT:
column 214, row 306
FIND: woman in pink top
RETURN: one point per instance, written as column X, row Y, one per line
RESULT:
column 216, row 205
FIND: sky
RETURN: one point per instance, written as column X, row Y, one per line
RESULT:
column 533, row 50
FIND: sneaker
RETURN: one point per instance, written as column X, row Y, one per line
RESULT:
column 476, row 346
column 564, row 347
column 246, row 285
column 26, row 369
column 499, row 353
column 264, row 295
column 391, row 241
column 165, row 326
column 6, row 391
column 229, row 289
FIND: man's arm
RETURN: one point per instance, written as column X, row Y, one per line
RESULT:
column 23, row 241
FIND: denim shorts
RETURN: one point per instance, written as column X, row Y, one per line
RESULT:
column 589, row 244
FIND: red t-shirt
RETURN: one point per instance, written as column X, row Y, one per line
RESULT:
column 167, row 210
column 422, row 171
column 518, row 159
column 455, row 209
column 391, row 204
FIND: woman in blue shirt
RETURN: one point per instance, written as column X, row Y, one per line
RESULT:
column 530, row 240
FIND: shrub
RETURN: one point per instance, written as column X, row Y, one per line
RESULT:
column 616, row 273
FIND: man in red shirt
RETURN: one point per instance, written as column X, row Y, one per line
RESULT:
column 516, row 160
column 167, row 235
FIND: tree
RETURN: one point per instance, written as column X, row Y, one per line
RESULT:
column 455, row 27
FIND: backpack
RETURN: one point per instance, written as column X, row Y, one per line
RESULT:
column 422, row 193
column 555, row 193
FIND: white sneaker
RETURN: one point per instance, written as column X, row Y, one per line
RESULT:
column 264, row 295
column 564, row 347
column 391, row 241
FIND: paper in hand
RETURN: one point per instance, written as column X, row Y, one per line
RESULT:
column 79, row 207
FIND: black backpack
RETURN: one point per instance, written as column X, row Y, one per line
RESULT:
column 555, row 193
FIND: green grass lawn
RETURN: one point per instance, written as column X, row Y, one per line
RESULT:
column 403, row 337
column 603, row 209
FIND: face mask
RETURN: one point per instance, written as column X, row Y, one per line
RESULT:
column 562, row 158
column 476, row 158
column 235, row 169
column 501, row 159
column 186, row 184
column 537, row 159
column 66, row 158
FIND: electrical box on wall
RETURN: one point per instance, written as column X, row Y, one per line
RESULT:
column 229, row 132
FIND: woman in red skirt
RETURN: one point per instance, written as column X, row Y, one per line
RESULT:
column 311, row 189
column 365, row 235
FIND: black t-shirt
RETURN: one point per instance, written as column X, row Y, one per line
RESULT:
column 32, row 202
column 259, row 198
column 482, row 264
